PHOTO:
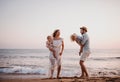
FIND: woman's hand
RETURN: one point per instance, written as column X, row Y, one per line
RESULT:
column 61, row 54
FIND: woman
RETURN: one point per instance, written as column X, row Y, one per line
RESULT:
column 58, row 44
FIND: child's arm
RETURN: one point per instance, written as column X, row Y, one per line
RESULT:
column 80, row 44
column 81, row 50
column 47, row 44
column 51, row 49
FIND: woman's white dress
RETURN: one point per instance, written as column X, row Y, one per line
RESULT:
column 57, row 47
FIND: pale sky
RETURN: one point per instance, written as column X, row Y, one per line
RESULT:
column 26, row 23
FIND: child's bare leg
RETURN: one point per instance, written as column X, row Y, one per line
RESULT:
column 54, row 54
column 53, row 51
column 81, row 49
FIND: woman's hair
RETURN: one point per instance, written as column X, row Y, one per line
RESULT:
column 55, row 32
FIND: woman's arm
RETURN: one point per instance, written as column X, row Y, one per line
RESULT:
column 62, row 48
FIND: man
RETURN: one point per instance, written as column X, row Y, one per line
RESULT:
column 85, row 51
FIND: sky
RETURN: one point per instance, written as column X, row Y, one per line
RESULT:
column 25, row 24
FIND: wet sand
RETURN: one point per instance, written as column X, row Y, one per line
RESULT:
column 4, row 78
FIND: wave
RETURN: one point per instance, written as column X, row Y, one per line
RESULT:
column 95, row 58
column 65, row 72
column 106, row 58
column 22, row 70
column 14, row 57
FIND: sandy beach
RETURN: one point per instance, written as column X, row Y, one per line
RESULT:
column 69, row 79
column 35, row 78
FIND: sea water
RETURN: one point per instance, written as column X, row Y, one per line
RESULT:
column 101, row 62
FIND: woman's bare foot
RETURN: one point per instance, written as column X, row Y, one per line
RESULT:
column 57, row 77
column 50, row 77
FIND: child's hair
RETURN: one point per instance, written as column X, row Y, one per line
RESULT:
column 48, row 37
column 73, row 36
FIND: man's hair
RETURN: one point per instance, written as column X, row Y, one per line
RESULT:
column 84, row 28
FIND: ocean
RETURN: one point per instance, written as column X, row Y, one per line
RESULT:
column 101, row 62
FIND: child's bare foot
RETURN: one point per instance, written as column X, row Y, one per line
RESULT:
column 80, row 53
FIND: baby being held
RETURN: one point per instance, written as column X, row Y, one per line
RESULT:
column 49, row 45
column 78, row 39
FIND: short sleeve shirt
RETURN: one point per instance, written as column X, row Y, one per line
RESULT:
column 86, row 42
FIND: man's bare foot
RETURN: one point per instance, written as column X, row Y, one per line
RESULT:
column 58, row 77
column 82, row 76
column 87, row 76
